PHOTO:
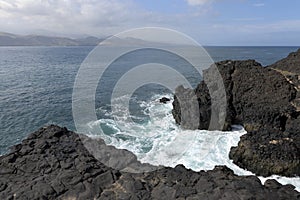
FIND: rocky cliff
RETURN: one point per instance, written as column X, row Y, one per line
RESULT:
column 263, row 100
column 53, row 163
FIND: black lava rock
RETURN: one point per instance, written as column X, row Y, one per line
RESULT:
column 53, row 163
column 164, row 100
column 263, row 100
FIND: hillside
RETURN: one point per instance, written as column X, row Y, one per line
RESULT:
column 9, row 39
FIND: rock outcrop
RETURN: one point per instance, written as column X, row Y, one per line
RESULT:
column 53, row 163
column 290, row 68
column 164, row 100
column 262, row 99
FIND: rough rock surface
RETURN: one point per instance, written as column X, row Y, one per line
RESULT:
column 53, row 163
column 289, row 64
column 164, row 100
column 290, row 68
column 261, row 99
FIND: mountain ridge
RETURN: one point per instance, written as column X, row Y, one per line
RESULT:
column 9, row 39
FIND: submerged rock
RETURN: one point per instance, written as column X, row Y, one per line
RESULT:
column 261, row 99
column 53, row 163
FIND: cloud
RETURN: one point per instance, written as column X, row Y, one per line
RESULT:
column 198, row 2
column 292, row 25
column 248, row 19
column 75, row 18
column 68, row 16
column 258, row 34
column 259, row 4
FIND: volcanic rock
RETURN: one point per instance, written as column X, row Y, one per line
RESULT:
column 53, row 163
column 164, row 100
column 262, row 99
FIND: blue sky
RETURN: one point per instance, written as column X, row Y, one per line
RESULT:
column 210, row 22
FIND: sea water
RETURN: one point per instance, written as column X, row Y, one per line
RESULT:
column 158, row 140
column 36, row 85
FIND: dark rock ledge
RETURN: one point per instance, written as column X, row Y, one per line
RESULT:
column 53, row 163
column 266, row 101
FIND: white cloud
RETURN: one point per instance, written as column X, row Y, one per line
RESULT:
column 83, row 17
column 281, row 33
column 68, row 16
column 106, row 17
column 261, row 28
column 198, row 2
column 80, row 17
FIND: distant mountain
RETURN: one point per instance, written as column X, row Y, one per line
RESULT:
column 132, row 41
column 8, row 39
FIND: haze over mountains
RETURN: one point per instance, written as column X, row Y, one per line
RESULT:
column 9, row 39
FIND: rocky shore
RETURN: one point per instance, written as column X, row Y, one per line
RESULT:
column 53, row 163
column 266, row 101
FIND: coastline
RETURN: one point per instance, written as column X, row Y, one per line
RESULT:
column 54, row 159
column 263, row 100
column 53, row 163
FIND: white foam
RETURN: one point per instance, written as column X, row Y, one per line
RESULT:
column 160, row 141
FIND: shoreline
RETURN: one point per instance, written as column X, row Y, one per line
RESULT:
column 53, row 163
column 264, row 101
column 58, row 163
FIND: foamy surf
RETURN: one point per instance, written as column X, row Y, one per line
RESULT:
column 159, row 141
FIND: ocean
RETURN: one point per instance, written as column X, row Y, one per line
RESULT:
column 36, row 85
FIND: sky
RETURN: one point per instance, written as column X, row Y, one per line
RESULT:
column 209, row 22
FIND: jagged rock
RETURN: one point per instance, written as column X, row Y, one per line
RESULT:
column 250, row 90
column 53, row 163
column 262, row 100
column 267, row 153
column 290, row 64
column 164, row 100
column 290, row 68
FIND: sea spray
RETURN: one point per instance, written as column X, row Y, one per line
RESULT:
column 158, row 140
